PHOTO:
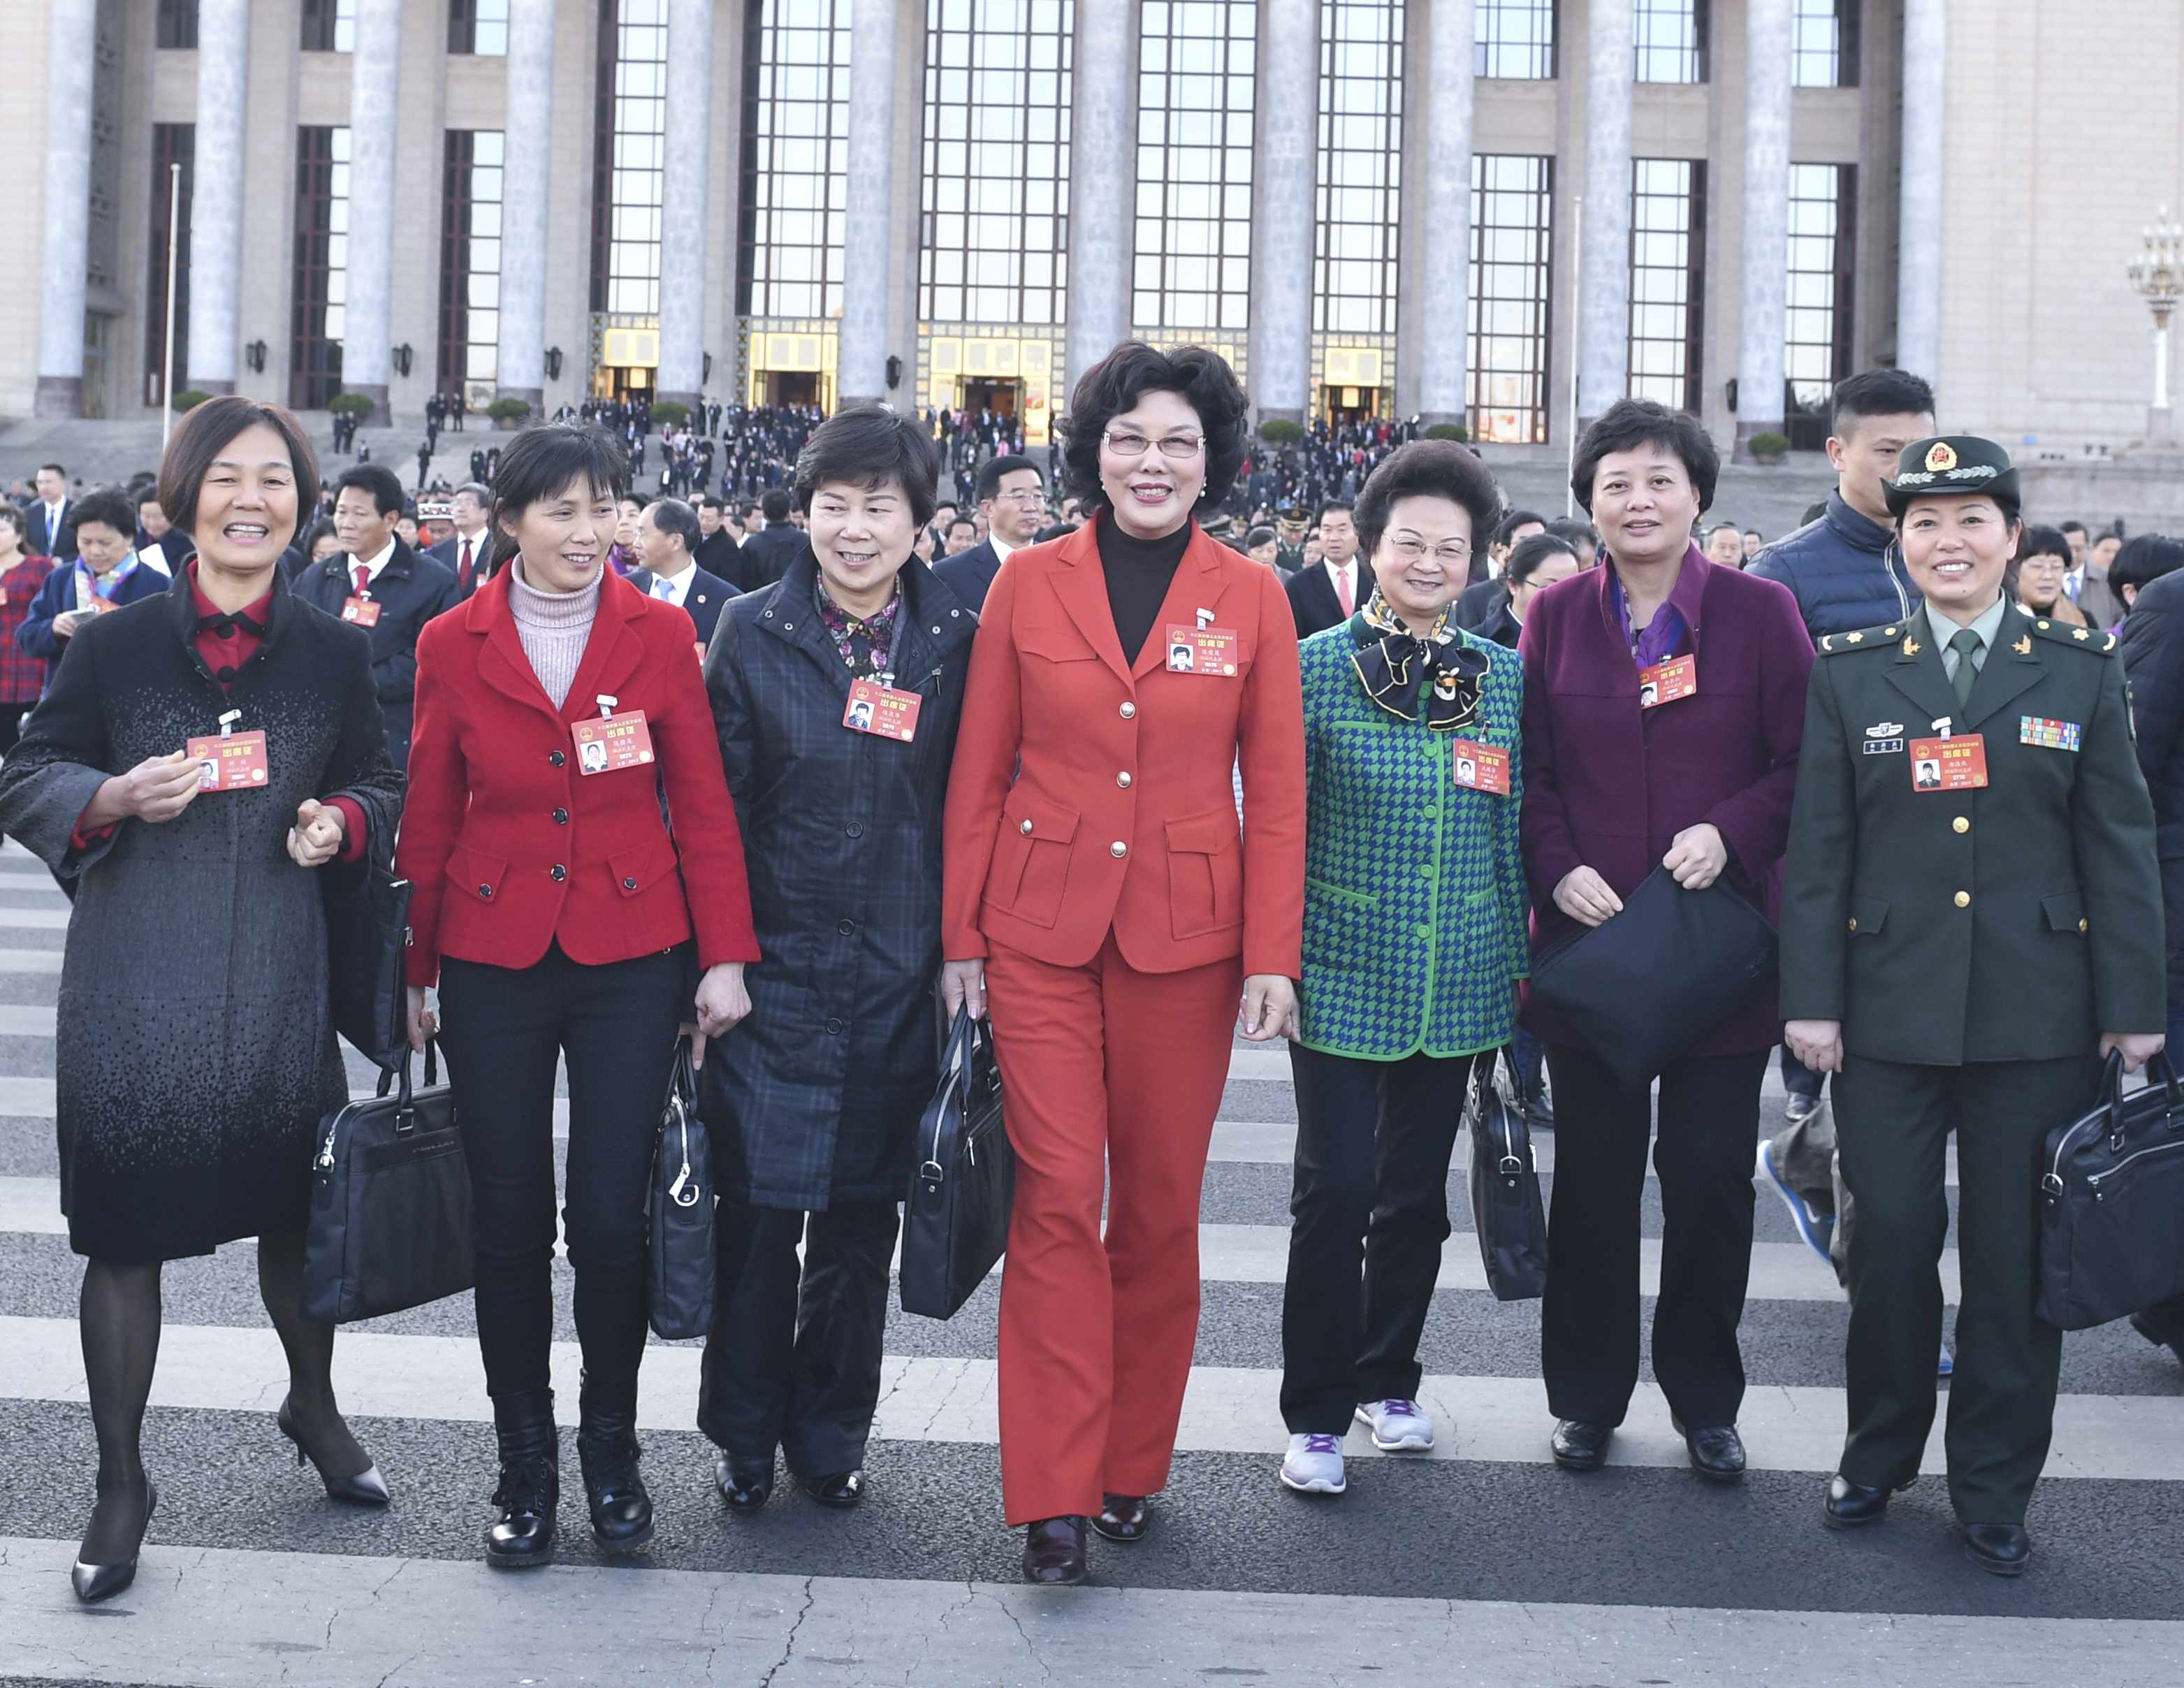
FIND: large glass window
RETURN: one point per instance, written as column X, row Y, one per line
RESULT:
column 629, row 157
column 321, row 268
column 1516, row 39
column 1361, row 129
column 1824, row 44
column 470, row 262
column 176, row 25
column 998, row 91
column 796, row 158
column 172, row 144
column 329, row 25
column 1196, row 79
column 1511, row 290
column 1667, row 279
column 1671, row 37
column 1816, row 330
column 478, row 27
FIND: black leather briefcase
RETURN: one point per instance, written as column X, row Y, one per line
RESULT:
column 956, row 1224
column 1506, row 1206
column 2112, row 1203
column 679, row 1294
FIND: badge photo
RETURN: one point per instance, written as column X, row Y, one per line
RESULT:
column 233, row 761
column 1954, row 764
column 1480, row 767
column 608, row 744
column 879, row 709
column 1666, row 682
column 1201, row 650
column 364, row 611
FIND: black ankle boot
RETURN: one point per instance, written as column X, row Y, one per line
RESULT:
column 607, row 1449
column 530, row 1481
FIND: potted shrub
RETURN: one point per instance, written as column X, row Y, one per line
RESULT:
column 191, row 399
column 350, row 405
column 1455, row 431
column 1768, row 448
column 670, row 413
column 1277, row 431
column 507, row 414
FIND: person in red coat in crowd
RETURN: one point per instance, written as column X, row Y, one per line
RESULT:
column 1096, row 882
column 1664, row 702
column 22, row 676
column 560, row 915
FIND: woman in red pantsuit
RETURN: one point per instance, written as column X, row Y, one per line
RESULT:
column 1098, row 883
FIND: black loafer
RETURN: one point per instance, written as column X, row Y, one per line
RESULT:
column 1849, row 1504
column 744, row 1488
column 1580, row 1446
column 841, row 1489
column 1053, row 1551
column 1124, row 1517
column 2001, row 1549
column 1717, row 1451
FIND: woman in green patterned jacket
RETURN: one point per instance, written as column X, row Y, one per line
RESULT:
column 1415, row 934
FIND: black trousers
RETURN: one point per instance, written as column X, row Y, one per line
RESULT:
column 503, row 1029
column 1369, row 1213
column 793, row 1360
column 1708, row 1123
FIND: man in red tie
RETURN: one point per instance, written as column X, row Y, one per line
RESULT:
column 464, row 550
column 1325, row 594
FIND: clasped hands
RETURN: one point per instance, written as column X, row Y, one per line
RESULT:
column 1697, row 858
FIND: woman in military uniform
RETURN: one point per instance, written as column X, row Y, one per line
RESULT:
column 1917, row 913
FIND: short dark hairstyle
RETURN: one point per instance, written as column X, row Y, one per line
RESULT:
column 1879, row 392
column 1583, row 537
column 307, row 542
column 960, row 520
column 14, row 517
column 1258, row 537
column 55, row 467
column 1506, row 534
column 541, row 460
column 2036, row 541
column 2068, row 528
column 476, row 489
column 1629, row 423
column 672, row 515
column 207, row 430
column 777, row 504
column 1431, row 469
column 2146, row 557
column 709, row 502
column 1342, row 504
column 1200, row 378
column 380, row 482
column 108, row 505
column 990, row 473
column 1534, row 549
column 868, row 446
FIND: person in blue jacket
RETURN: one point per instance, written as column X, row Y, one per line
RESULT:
column 106, row 574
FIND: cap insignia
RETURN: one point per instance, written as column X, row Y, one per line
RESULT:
column 1941, row 455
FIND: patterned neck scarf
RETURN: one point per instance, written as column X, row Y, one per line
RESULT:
column 866, row 643
column 89, row 586
column 1435, row 680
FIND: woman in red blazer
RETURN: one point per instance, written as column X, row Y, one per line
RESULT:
column 559, row 913
column 1097, row 884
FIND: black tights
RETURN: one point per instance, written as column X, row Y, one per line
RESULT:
column 118, row 1315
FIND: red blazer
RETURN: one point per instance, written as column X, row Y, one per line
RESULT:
column 1089, row 793
column 511, row 848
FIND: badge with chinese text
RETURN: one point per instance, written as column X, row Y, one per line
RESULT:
column 364, row 611
column 874, row 708
column 233, row 761
column 1957, row 764
column 2050, row 735
column 1200, row 650
column 612, row 742
column 1666, row 682
column 1480, row 767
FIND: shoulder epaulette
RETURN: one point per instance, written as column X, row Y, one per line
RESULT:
column 1865, row 638
column 2100, row 642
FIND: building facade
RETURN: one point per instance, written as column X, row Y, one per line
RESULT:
column 1501, row 213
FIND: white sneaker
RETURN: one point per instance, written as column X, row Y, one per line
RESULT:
column 1313, row 1465
column 1397, row 1426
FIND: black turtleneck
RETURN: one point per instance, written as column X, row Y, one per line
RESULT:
column 1138, row 573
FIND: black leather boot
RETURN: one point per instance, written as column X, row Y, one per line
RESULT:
column 607, row 1449
column 530, row 1481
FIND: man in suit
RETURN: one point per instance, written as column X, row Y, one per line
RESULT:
column 1327, row 593
column 1480, row 602
column 1012, row 492
column 378, row 582
column 51, row 530
column 665, row 535
column 717, row 549
column 767, row 554
column 462, row 553
column 2088, row 586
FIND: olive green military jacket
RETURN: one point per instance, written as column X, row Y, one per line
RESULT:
column 2016, row 922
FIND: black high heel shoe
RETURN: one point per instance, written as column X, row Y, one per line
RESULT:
column 366, row 1489
column 95, row 1583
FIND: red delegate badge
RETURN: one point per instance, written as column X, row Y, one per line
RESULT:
column 230, row 762
column 1666, row 682
column 611, row 743
column 874, row 708
column 1954, row 764
column 1201, row 650
column 1480, row 767
column 361, row 610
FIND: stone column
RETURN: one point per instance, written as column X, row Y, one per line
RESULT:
column 367, row 319
column 1604, row 270
column 1918, row 217
column 1288, row 135
column 861, row 352
column 1445, row 336
column 686, row 183
column 216, row 193
column 1762, row 320
column 520, row 364
column 1100, row 179
column 65, row 213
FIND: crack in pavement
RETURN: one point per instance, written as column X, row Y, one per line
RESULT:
column 789, row 1648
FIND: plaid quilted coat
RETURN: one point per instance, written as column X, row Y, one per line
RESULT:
column 1415, row 904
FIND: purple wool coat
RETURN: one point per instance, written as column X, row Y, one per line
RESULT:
column 1608, row 786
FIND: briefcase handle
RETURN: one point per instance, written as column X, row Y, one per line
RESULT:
column 954, row 1073
column 2160, row 1070
column 681, row 1103
column 405, row 1114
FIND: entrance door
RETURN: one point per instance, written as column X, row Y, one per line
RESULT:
column 1002, row 398
column 784, row 388
column 1351, row 404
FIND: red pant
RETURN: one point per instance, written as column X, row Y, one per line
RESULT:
column 1113, row 1078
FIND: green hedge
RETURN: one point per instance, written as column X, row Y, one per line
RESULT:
column 1769, row 445
column 191, row 399
column 1455, row 431
column 350, row 405
column 671, row 412
column 501, row 408
column 1279, row 431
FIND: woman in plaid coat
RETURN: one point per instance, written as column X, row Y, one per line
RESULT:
column 1414, row 937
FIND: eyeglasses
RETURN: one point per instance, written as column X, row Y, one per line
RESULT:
column 1179, row 447
column 1453, row 554
column 1028, row 498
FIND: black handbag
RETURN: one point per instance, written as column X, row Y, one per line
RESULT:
column 679, row 1293
column 367, row 931
column 2112, row 1203
column 1644, row 985
column 956, row 1224
column 390, row 1221
column 1505, row 1207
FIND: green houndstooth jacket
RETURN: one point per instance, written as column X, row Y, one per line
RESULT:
column 1416, row 910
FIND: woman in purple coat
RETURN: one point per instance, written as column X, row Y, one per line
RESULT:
column 1663, row 701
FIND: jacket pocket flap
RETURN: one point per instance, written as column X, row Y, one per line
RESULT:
column 475, row 873
column 1036, row 819
column 1055, row 644
column 1868, row 914
column 2065, row 912
column 637, row 871
column 1203, row 834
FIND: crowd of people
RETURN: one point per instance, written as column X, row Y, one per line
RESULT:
column 1080, row 755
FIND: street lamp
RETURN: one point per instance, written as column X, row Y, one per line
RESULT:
column 2158, row 273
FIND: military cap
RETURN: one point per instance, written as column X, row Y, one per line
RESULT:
column 1953, row 464
column 1294, row 515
